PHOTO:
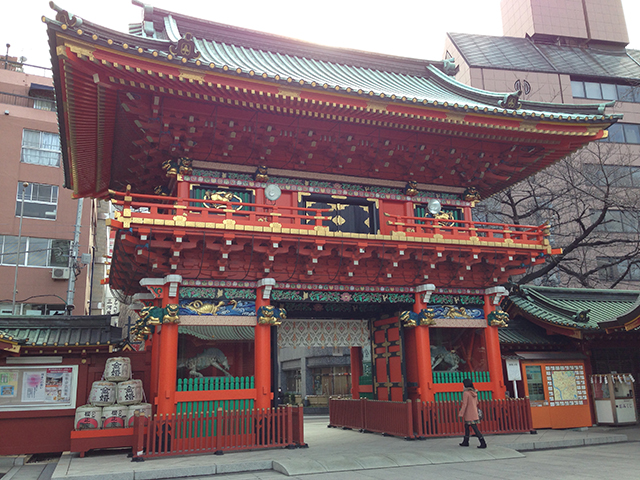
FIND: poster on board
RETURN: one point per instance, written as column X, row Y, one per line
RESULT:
column 513, row 370
column 33, row 386
column 38, row 387
column 58, row 385
column 8, row 383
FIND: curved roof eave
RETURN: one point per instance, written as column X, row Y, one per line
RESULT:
column 533, row 300
column 527, row 105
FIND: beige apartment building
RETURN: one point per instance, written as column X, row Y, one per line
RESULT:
column 574, row 52
column 39, row 213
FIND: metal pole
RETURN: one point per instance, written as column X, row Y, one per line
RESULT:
column 93, row 254
column 6, row 57
column 73, row 255
column 15, row 276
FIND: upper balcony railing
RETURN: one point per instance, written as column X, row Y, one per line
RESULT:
column 218, row 211
column 153, row 209
column 11, row 63
column 29, row 102
column 458, row 229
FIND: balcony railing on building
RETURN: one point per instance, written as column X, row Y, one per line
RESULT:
column 26, row 101
column 144, row 209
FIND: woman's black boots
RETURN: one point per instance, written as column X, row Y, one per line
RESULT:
column 483, row 444
column 465, row 442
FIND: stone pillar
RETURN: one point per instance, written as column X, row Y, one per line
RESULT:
column 262, row 351
column 166, row 290
column 492, row 298
column 423, row 344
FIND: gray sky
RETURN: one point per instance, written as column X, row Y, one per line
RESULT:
column 408, row 28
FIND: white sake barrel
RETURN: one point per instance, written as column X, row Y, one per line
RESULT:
column 117, row 369
column 88, row 417
column 130, row 392
column 102, row 394
column 114, row 416
column 143, row 408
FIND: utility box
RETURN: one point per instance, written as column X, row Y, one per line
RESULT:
column 60, row 273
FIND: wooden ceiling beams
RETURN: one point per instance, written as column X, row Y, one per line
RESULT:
column 245, row 256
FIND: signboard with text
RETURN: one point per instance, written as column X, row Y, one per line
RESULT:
column 38, row 387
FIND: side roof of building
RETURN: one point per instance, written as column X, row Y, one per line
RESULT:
column 523, row 54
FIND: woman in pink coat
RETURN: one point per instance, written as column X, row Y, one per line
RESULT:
column 469, row 412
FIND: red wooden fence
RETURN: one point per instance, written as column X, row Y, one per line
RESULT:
column 390, row 418
column 222, row 431
column 428, row 419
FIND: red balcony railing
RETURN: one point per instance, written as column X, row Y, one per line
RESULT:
column 141, row 207
column 462, row 229
column 166, row 208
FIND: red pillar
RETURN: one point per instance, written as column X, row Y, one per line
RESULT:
column 356, row 371
column 167, row 357
column 154, row 344
column 494, row 356
column 167, row 290
column 423, row 354
column 411, row 364
column 262, row 358
column 182, row 192
column 167, row 371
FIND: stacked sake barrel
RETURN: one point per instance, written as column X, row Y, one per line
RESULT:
column 113, row 401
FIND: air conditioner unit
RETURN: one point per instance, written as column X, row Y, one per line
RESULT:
column 60, row 273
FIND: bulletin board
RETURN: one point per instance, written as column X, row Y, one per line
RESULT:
column 558, row 394
column 39, row 387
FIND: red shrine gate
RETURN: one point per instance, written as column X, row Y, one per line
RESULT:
column 229, row 155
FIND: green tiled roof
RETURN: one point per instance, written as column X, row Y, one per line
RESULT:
column 523, row 332
column 61, row 330
column 217, row 332
column 10, row 338
column 244, row 52
column 583, row 309
column 511, row 53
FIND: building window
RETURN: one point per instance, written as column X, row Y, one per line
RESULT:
column 605, row 91
column 44, row 104
column 34, row 252
column 614, row 175
column 331, row 381
column 40, row 201
column 623, row 133
column 293, row 381
column 612, row 269
column 617, row 221
column 535, row 383
column 33, row 309
column 41, row 148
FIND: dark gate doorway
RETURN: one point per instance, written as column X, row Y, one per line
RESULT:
column 387, row 352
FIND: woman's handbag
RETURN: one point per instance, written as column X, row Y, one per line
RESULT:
column 480, row 414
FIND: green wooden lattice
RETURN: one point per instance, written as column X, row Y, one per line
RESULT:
column 209, row 384
column 458, row 377
column 457, row 396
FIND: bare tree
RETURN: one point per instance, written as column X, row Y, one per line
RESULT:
column 591, row 200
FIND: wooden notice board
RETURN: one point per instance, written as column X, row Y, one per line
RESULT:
column 557, row 390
